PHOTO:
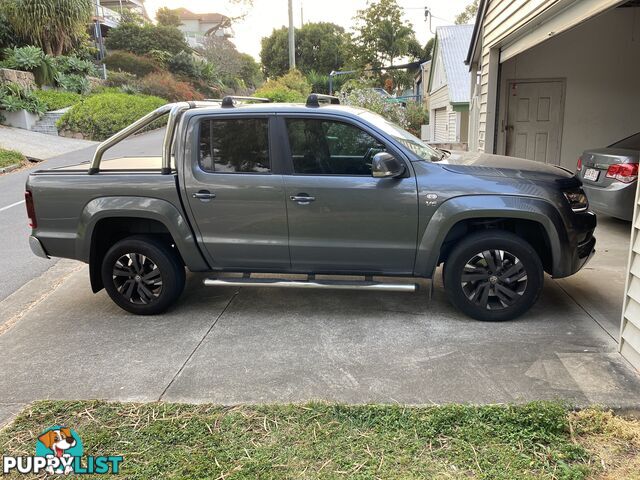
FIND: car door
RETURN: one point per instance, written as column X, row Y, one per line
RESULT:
column 236, row 201
column 342, row 219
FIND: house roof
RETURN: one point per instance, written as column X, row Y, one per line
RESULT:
column 452, row 44
column 185, row 14
column 477, row 28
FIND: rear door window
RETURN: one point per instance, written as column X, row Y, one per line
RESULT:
column 234, row 145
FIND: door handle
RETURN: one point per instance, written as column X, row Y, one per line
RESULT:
column 204, row 195
column 302, row 199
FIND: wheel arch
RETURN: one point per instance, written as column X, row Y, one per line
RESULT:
column 107, row 220
column 535, row 220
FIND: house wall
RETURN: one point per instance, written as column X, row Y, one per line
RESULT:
column 439, row 78
column 190, row 26
column 502, row 18
column 630, row 327
column 602, row 103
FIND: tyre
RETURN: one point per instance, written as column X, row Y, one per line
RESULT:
column 493, row 276
column 142, row 275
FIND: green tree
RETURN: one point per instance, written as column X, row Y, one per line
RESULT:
column 382, row 35
column 168, row 17
column 236, row 70
column 250, row 72
column 320, row 47
column 467, row 14
column 55, row 26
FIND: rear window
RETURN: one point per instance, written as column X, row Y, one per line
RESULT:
column 630, row 143
column 239, row 145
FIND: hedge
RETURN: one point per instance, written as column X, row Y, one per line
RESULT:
column 100, row 116
column 57, row 99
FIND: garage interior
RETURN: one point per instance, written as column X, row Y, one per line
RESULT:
column 572, row 92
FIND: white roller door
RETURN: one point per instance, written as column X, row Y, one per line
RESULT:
column 441, row 126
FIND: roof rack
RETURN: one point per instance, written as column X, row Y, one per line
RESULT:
column 230, row 100
column 315, row 99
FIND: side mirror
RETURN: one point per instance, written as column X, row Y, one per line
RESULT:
column 385, row 165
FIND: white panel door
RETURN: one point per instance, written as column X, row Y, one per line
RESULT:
column 534, row 120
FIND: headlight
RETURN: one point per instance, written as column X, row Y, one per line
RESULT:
column 577, row 199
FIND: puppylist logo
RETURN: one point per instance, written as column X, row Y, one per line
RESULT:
column 59, row 450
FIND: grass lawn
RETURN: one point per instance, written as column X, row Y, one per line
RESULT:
column 9, row 157
column 159, row 440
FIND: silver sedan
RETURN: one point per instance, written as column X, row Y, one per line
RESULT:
column 610, row 177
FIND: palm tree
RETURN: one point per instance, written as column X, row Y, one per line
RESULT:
column 53, row 25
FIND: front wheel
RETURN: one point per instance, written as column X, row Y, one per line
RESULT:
column 142, row 275
column 493, row 276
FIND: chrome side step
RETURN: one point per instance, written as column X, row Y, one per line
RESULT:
column 311, row 283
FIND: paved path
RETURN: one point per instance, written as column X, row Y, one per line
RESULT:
column 38, row 145
column 17, row 264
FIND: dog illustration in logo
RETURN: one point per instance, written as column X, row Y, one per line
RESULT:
column 58, row 441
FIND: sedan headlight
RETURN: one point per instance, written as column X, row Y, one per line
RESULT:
column 577, row 199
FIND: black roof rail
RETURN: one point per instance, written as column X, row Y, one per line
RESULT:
column 230, row 100
column 315, row 99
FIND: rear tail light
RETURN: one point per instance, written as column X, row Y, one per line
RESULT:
column 31, row 211
column 623, row 172
column 579, row 166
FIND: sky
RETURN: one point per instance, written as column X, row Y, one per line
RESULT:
column 265, row 15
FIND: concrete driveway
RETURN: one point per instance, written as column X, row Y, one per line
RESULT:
column 227, row 345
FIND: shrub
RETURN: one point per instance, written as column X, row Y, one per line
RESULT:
column 320, row 82
column 417, row 115
column 119, row 79
column 131, row 63
column 73, row 83
column 31, row 59
column 13, row 98
column 100, row 116
column 278, row 93
column 144, row 38
column 161, row 57
column 296, row 81
column 183, row 64
column 71, row 64
column 164, row 85
column 369, row 99
column 56, row 99
column 292, row 87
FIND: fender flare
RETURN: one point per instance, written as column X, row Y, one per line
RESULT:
column 139, row 207
column 457, row 209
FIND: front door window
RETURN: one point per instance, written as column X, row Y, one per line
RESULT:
column 325, row 147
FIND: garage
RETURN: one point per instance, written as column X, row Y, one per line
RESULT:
column 551, row 80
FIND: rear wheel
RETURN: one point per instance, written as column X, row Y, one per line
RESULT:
column 142, row 275
column 493, row 276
